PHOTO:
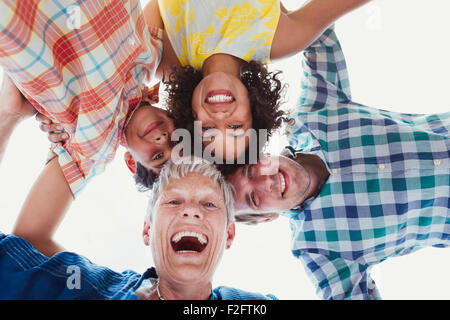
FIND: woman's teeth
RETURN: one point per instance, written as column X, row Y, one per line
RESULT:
column 220, row 98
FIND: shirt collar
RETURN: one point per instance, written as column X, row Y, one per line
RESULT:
column 292, row 153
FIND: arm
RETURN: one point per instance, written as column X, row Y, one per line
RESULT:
column 44, row 208
column 14, row 108
column 7, row 125
column 50, row 196
column 169, row 59
column 298, row 29
column 283, row 8
column 338, row 279
column 325, row 79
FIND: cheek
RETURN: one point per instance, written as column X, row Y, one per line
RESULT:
column 142, row 151
column 219, row 225
column 196, row 102
column 243, row 113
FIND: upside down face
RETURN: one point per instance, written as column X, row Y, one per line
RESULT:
column 220, row 101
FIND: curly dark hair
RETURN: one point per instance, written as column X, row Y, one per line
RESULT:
column 264, row 91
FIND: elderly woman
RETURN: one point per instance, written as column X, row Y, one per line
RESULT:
column 188, row 226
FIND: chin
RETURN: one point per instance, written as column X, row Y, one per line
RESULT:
column 189, row 275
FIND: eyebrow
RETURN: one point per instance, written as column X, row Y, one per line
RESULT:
column 232, row 132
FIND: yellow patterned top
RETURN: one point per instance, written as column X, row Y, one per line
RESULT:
column 199, row 28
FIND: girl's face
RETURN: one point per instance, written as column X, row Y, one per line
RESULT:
column 148, row 137
column 220, row 101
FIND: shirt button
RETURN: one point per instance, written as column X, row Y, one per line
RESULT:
column 335, row 171
column 437, row 162
column 381, row 167
column 131, row 41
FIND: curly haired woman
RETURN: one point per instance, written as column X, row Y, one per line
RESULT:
column 220, row 50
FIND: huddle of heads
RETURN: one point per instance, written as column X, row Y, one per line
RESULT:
column 246, row 104
column 231, row 124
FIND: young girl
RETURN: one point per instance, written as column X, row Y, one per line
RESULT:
column 221, row 49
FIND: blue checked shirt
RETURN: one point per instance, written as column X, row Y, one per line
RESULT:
column 388, row 190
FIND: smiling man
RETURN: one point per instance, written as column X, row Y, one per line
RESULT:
column 359, row 184
column 276, row 184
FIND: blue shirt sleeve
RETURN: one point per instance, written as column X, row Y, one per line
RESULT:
column 227, row 293
column 25, row 273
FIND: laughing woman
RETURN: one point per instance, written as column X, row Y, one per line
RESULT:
column 221, row 49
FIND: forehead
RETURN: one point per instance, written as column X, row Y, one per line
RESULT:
column 229, row 148
column 193, row 184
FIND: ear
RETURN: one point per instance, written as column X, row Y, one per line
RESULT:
column 146, row 233
column 270, row 218
column 131, row 164
column 231, row 232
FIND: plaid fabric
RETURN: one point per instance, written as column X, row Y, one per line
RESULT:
column 389, row 185
column 82, row 64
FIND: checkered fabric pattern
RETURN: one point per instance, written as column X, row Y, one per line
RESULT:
column 388, row 193
column 82, row 64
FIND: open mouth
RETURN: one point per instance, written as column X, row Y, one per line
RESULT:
column 189, row 242
column 219, row 97
column 283, row 183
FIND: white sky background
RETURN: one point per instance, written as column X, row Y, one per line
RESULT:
column 398, row 58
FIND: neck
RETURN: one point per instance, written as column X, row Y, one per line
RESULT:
column 317, row 170
column 221, row 62
column 196, row 291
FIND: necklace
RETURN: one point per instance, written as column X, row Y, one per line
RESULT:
column 160, row 297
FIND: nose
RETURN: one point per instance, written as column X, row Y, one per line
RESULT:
column 161, row 138
column 220, row 110
column 191, row 211
column 265, row 183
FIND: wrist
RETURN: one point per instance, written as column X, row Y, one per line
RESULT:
column 10, row 118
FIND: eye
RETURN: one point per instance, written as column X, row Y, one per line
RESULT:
column 235, row 126
column 173, row 202
column 158, row 156
column 249, row 172
column 209, row 205
column 207, row 128
column 253, row 199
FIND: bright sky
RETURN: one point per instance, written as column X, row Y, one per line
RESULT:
column 397, row 54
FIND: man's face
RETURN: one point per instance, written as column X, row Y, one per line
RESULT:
column 148, row 137
column 189, row 229
column 274, row 184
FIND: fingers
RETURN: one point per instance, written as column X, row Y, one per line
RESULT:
column 42, row 119
column 58, row 137
column 52, row 127
column 56, row 133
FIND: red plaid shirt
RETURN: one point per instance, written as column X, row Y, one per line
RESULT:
column 84, row 66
